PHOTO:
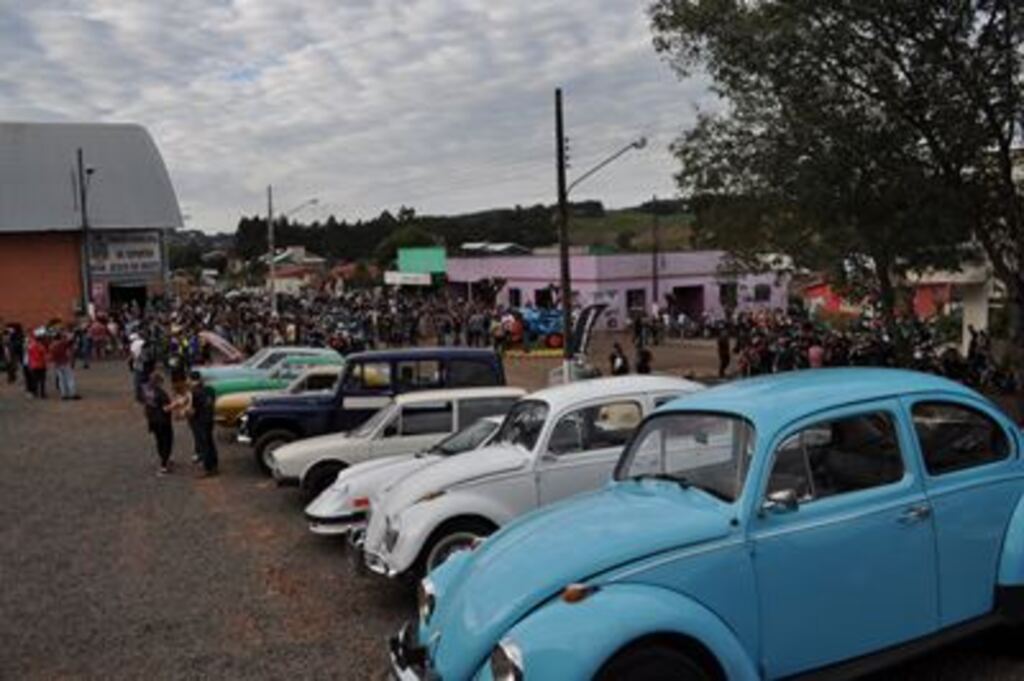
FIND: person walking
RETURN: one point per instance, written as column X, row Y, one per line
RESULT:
column 158, row 418
column 643, row 361
column 37, row 355
column 200, row 420
column 15, row 351
column 62, row 355
column 617, row 360
column 724, row 354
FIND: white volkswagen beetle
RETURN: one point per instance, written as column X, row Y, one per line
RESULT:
column 410, row 423
column 553, row 444
column 342, row 507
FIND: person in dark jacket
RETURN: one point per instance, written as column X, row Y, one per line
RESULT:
column 617, row 360
column 200, row 420
column 158, row 418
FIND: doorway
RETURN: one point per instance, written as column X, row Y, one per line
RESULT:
column 126, row 294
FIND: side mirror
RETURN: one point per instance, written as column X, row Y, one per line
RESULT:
column 783, row 501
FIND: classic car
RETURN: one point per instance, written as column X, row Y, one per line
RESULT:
column 278, row 378
column 264, row 361
column 410, row 423
column 369, row 382
column 229, row 408
column 343, row 507
column 817, row 521
column 554, row 443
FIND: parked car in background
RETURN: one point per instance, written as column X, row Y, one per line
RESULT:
column 319, row 378
column 368, row 383
column 260, row 364
column 553, row 444
column 412, row 422
column 833, row 519
column 343, row 507
column 279, row 377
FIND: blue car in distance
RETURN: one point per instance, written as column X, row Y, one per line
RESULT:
column 830, row 521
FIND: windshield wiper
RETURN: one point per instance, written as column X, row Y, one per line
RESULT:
column 682, row 482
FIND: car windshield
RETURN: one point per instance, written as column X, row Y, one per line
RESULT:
column 271, row 360
column 523, row 424
column 466, row 439
column 257, row 358
column 708, row 451
column 381, row 416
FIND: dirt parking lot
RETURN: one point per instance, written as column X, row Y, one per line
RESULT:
column 109, row 572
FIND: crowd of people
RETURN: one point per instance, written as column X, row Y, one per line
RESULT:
column 167, row 339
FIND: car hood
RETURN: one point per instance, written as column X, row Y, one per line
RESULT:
column 501, row 581
column 240, row 399
column 244, row 383
column 364, row 480
column 448, row 472
column 238, row 374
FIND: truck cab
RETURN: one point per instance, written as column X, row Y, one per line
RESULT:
column 368, row 383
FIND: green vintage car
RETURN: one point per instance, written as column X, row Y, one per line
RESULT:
column 287, row 371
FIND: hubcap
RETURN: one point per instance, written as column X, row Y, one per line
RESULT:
column 449, row 545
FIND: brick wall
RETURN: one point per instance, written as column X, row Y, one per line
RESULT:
column 40, row 277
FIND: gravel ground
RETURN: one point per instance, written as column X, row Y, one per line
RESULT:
column 110, row 572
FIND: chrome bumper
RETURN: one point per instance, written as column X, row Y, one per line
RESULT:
column 409, row 661
column 377, row 565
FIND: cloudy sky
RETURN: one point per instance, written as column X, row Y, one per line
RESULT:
column 445, row 105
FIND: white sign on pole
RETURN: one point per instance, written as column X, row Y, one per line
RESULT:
column 406, row 279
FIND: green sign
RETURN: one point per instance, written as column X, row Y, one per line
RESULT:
column 430, row 260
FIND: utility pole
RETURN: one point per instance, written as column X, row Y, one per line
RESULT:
column 273, row 253
column 563, row 241
column 654, row 253
column 86, row 251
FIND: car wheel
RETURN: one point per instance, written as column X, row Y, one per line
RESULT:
column 653, row 662
column 450, row 539
column 267, row 443
column 320, row 478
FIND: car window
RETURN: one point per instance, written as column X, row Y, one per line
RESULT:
column 838, row 456
column 388, row 414
column 523, row 424
column 601, row 426
column 664, row 399
column 954, row 437
column 368, row 376
column 270, row 360
column 466, row 439
column 419, row 374
column 463, row 373
column 706, row 450
column 475, row 408
column 428, row 418
column 321, row 382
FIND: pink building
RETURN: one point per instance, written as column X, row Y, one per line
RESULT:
column 692, row 282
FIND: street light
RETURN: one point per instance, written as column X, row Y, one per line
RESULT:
column 270, row 240
column 83, row 175
column 563, row 224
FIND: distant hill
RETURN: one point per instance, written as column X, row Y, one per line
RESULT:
column 674, row 229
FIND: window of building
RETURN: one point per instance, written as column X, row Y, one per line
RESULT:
column 544, row 298
column 598, row 427
column 515, row 297
column 837, row 457
column 728, row 295
column 762, row 293
column 954, row 437
column 636, row 299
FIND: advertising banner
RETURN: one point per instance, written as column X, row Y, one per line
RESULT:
column 124, row 256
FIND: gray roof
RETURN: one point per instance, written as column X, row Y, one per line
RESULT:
column 130, row 188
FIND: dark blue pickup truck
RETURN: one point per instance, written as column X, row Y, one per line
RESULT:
column 369, row 381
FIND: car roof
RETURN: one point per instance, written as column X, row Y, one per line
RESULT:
column 318, row 358
column 423, row 353
column 322, row 370
column 776, row 400
column 458, row 394
column 561, row 395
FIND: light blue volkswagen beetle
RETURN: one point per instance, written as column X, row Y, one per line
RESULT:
column 831, row 520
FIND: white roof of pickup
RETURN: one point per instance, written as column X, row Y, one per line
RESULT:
column 130, row 188
column 458, row 394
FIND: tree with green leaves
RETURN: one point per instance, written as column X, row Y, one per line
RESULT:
column 876, row 128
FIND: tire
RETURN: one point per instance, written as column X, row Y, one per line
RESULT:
column 319, row 478
column 446, row 540
column 653, row 662
column 267, row 443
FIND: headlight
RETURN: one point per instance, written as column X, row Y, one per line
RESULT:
column 507, row 662
column 390, row 534
column 426, row 600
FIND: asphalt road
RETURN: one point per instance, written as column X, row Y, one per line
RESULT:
column 109, row 572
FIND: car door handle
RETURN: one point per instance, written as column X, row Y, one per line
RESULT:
column 915, row 514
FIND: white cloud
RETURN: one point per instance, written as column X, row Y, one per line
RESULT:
column 446, row 105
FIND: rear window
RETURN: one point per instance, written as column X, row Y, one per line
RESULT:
column 466, row 373
column 478, row 407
